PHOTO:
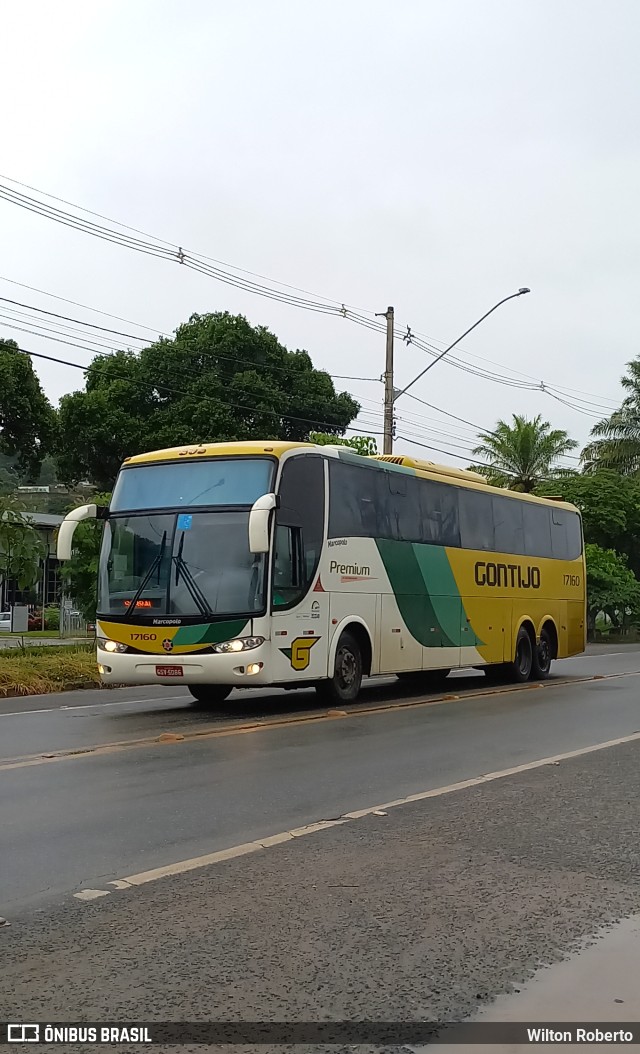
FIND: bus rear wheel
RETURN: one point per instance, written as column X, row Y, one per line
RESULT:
column 542, row 657
column 344, row 685
column 520, row 669
column 209, row 696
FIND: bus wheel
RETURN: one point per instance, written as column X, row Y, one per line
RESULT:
column 344, row 685
column 209, row 695
column 542, row 657
column 520, row 669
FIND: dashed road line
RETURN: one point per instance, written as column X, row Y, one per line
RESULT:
column 195, row 863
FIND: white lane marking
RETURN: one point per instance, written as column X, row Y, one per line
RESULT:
column 196, row 862
column 89, row 706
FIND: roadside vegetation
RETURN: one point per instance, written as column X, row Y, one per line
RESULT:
column 37, row 671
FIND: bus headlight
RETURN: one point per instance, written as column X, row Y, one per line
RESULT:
column 111, row 645
column 239, row 644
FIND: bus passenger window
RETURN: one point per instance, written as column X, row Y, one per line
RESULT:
column 537, row 530
column 476, row 520
column 508, row 526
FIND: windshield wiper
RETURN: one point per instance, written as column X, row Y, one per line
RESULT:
column 147, row 578
column 193, row 588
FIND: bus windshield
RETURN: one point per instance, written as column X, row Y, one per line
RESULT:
column 208, row 482
column 194, row 565
column 177, row 540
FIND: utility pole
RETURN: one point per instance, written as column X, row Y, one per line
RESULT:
column 387, row 443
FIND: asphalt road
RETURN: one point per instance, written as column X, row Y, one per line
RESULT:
column 426, row 911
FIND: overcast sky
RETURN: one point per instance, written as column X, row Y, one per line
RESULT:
column 431, row 154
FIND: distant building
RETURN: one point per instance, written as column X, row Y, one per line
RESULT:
column 48, row 586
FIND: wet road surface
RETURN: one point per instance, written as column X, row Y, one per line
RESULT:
column 430, row 909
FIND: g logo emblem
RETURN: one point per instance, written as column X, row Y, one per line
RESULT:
column 299, row 654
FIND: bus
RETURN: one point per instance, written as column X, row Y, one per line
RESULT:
column 237, row 565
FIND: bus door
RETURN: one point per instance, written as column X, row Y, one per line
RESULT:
column 299, row 606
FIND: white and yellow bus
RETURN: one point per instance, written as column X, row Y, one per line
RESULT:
column 239, row 565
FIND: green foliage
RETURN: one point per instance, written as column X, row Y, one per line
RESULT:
column 20, row 547
column 365, row 445
column 27, row 419
column 521, row 454
column 80, row 573
column 612, row 587
column 616, row 439
column 52, row 619
column 238, row 382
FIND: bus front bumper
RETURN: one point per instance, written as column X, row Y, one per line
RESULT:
column 241, row 669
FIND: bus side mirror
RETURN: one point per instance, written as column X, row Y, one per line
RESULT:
column 259, row 522
column 71, row 521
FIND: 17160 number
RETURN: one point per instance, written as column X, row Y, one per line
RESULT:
column 572, row 580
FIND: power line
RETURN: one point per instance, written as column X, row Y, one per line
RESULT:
column 464, row 420
column 153, row 385
column 312, row 302
column 425, row 430
column 133, row 336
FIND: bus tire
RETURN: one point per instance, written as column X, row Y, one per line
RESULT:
column 542, row 657
column 209, row 695
column 344, row 685
column 521, row 667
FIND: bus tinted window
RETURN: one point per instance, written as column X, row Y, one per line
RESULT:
column 537, row 530
column 358, row 505
column 439, row 519
column 370, row 503
column 476, row 520
column 566, row 535
column 574, row 535
column 508, row 523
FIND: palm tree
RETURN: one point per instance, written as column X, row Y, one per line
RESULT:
column 617, row 438
column 522, row 454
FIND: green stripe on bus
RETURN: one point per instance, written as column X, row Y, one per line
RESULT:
column 212, row 633
column 426, row 593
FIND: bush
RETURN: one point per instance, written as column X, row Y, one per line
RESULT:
column 34, row 671
column 52, row 619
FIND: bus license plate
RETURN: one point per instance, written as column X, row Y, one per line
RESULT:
column 169, row 671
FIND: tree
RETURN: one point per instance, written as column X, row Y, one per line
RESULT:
column 522, row 454
column 365, row 445
column 219, row 379
column 616, row 442
column 612, row 587
column 27, row 419
column 20, row 547
column 80, row 573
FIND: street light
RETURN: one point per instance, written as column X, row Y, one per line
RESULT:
column 392, row 395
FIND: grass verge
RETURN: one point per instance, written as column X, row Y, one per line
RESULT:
column 36, row 671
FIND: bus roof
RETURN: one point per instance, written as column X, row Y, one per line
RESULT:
column 278, row 448
column 275, row 447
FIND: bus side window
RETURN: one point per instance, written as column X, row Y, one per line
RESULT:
column 299, row 528
column 508, row 525
column 560, row 535
column 476, row 520
column 537, row 530
column 574, row 535
column 439, row 518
